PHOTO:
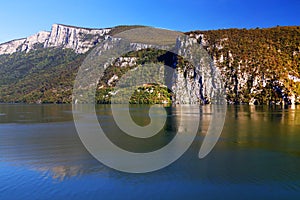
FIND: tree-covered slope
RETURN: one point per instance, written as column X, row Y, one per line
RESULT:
column 44, row 75
column 258, row 65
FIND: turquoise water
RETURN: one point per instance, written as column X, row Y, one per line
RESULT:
column 42, row 157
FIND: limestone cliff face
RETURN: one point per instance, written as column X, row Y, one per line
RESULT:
column 253, row 81
column 32, row 41
column 78, row 39
column 198, row 84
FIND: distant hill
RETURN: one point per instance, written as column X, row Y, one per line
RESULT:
column 259, row 66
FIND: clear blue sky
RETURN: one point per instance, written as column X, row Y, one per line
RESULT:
column 25, row 17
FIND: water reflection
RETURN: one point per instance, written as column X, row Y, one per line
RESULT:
column 259, row 147
column 274, row 129
column 24, row 113
column 55, row 147
column 47, row 147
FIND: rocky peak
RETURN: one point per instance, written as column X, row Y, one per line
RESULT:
column 76, row 38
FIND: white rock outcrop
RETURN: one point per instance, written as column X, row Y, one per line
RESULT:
column 31, row 41
column 11, row 47
column 76, row 38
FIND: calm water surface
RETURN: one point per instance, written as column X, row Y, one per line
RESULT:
column 257, row 157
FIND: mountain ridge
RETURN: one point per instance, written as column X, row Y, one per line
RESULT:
column 259, row 66
column 65, row 36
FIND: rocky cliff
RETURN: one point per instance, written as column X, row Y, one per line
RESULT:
column 259, row 66
column 78, row 39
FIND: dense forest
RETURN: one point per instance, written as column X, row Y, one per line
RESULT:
column 259, row 66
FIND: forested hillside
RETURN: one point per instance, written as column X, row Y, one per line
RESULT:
column 259, row 66
column 40, row 76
